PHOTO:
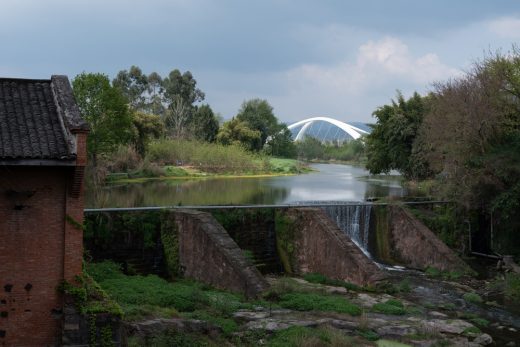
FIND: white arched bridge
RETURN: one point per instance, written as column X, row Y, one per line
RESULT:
column 327, row 129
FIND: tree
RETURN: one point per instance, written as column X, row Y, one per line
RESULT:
column 258, row 115
column 204, row 124
column 176, row 117
column 147, row 127
column 155, row 91
column 183, row 86
column 105, row 110
column 281, row 144
column 236, row 132
column 133, row 84
column 389, row 145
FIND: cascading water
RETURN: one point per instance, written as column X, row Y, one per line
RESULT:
column 352, row 218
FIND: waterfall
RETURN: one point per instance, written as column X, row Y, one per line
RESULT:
column 353, row 219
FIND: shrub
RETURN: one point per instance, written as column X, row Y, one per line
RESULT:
column 319, row 278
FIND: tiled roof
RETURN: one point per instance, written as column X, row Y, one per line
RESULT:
column 33, row 121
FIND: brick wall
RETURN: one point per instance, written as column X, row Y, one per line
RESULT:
column 38, row 249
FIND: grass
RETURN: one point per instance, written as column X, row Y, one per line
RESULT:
column 321, row 279
column 308, row 337
column 446, row 275
column 149, row 296
column 393, row 307
column 318, row 302
column 473, row 298
column 512, row 286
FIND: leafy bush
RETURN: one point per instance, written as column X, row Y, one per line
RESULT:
column 204, row 156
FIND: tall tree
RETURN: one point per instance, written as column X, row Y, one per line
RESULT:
column 204, row 124
column 389, row 145
column 147, row 127
column 281, row 144
column 105, row 109
column 183, row 86
column 258, row 114
column 155, row 90
column 133, row 84
column 177, row 117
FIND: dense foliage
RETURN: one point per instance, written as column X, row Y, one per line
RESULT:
column 312, row 149
column 390, row 144
column 466, row 135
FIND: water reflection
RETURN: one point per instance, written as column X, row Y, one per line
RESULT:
column 330, row 182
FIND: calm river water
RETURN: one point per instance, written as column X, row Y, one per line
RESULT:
column 329, row 182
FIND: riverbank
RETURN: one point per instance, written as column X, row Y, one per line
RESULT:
column 266, row 167
column 413, row 309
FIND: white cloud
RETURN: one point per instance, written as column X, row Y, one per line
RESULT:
column 355, row 87
column 505, row 27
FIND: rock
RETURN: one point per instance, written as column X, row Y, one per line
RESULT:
column 250, row 315
column 512, row 329
column 272, row 325
column 395, row 330
column 154, row 327
column 483, row 340
column 511, row 344
column 454, row 326
column 437, row 314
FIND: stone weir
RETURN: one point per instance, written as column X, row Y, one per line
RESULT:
column 402, row 239
column 319, row 246
column 208, row 254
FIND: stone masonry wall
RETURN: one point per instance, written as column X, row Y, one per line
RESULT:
column 320, row 246
column 209, row 255
column 416, row 246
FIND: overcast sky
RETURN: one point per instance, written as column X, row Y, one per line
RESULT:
column 307, row 58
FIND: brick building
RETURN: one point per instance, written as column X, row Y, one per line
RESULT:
column 42, row 160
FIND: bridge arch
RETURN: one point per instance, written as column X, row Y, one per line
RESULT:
column 334, row 130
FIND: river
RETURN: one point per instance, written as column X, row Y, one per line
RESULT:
column 328, row 182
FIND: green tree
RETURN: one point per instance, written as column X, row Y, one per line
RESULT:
column 147, row 127
column 133, row 84
column 155, row 90
column 281, row 144
column 106, row 111
column 258, row 115
column 236, row 132
column 310, row 148
column 183, row 86
column 389, row 145
column 204, row 124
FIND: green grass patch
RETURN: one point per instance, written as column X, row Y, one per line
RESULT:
column 471, row 331
column 321, row 279
column 512, row 286
column 139, row 295
column 473, row 298
column 317, row 302
column 393, row 307
column 301, row 336
column 227, row 325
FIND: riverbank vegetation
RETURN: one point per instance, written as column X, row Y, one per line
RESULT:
column 352, row 152
column 149, row 126
column 464, row 136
